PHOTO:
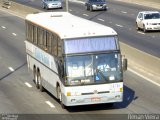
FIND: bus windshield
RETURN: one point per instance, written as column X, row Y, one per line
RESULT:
column 91, row 44
column 93, row 69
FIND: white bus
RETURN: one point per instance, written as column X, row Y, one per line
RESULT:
column 76, row 60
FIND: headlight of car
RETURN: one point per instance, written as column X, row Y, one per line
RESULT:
column 104, row 4
column 49, row 5
column 93, row 5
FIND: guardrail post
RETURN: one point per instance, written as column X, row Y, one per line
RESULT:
column 67, row 8
column 6, row 4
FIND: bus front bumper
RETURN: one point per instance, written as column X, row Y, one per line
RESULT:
column 90, row 99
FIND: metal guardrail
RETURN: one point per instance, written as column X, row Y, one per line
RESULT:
column 6, row 4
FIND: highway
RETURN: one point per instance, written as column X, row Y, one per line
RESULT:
column 120, row 16
column 19, row 95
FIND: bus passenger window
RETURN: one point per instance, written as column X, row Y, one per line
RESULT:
column 54, row 45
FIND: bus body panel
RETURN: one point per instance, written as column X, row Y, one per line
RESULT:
column 49, row 74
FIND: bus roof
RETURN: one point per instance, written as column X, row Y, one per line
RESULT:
column 67, row 25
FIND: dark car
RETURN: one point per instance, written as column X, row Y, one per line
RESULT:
column 96, row 5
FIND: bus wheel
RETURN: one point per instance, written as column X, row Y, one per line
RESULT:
column 40, row 82
column 59, row 96
column 34, row 74
column 37, row 81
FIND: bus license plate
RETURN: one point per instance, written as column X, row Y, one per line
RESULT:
column 95, row 99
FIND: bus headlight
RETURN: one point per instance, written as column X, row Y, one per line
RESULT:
column 68, row 93
column 121, row 89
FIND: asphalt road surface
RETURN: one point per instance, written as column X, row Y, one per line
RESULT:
column 120, row 16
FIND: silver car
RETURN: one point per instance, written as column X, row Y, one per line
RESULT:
column 148, row 20
column 48, row 4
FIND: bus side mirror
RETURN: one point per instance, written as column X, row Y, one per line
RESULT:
column 61, row 69
column 125, row 63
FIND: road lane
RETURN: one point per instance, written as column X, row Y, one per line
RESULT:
column 149, row 42
column 119, row 13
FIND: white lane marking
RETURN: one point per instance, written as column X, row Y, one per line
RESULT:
column 28, row 85
column 124, row 12
column 77, row 1
column 11, row 69
column 141, row 33
column 101, row 19
column 153, row 36
column 144, row 77
column 85, row 15
column 3, row 27
column 119, row 25
column 14, row 34
column 50, row 104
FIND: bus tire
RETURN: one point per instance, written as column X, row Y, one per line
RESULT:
column 40, row 82
column 34, row 74
column 36, row 79
column 37, row 84
column 59, row 96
